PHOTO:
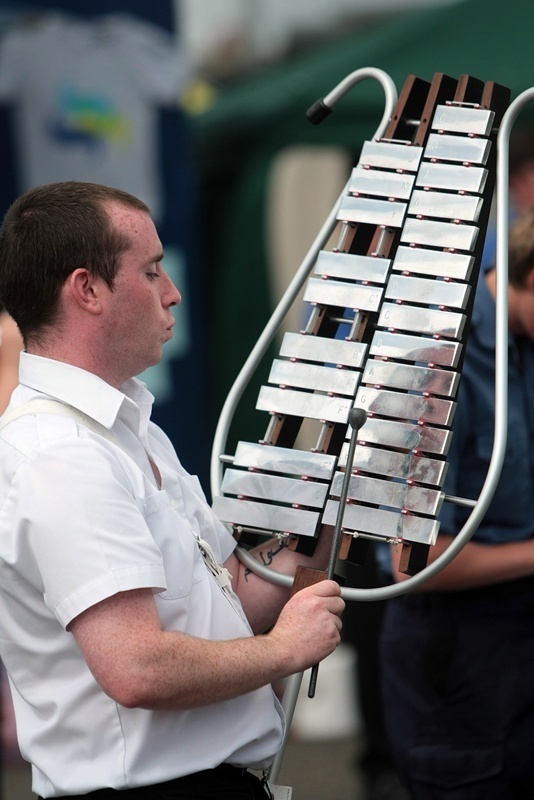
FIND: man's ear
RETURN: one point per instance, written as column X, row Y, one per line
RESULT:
column 85, row 289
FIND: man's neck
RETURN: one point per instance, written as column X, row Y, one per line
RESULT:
column 80, row 357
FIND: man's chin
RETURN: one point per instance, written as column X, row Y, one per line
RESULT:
column 152, row 362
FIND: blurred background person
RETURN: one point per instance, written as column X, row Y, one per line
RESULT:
column 10, row 347
column 457, row 653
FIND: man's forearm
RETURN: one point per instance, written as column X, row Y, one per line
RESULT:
column 140, row 665
column 263, row 599
column 476, row 565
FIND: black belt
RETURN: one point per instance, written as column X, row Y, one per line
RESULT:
column 198, row 780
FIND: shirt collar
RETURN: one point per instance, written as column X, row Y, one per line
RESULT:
column 132, row 403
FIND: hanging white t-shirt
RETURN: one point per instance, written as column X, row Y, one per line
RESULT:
column 86, row 95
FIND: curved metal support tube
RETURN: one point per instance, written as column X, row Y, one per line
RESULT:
column 501, row 393
column 357, row 76
column 291, row 696
column 272, row 327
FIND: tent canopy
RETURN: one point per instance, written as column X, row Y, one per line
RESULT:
column 487, row 39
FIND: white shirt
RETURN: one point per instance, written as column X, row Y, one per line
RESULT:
column 81, row 519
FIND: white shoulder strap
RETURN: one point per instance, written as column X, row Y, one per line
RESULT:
column 56, row 407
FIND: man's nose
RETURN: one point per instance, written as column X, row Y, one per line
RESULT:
column 172, row 293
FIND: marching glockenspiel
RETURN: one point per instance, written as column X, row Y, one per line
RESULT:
column 388, row 311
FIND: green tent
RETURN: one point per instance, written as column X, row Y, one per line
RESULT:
column 254, row 119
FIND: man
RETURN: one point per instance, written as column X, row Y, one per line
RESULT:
column 458, row 654
column 130, row 654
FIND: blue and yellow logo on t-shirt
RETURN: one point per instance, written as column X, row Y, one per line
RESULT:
column 90, row 119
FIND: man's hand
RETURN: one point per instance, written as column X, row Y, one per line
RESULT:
column 309, row 625
column 262, row 599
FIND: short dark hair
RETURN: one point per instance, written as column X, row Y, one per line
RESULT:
column 48, row 233
column 521, row 249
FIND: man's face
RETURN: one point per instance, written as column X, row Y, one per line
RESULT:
column 138, row 316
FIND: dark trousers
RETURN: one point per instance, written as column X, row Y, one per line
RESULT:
column 362, row 623
column 222, row 783
column 458, row 680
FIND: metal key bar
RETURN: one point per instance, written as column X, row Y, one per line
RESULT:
column 399, row 405
column 304, row 404
column 445, row 205
column 416, row 348
column 439, row 234
column 457, row 148
column 313, row 377
column 344, row 295
column 381, row 183
column 415, row 319
column 293, row 491
column 411, row 377
column 393, row 464
column 369, row 211
column 440, row 263
column 286, row 460
column 456, row 177
column 392, row 156
column 267, row 516
column 371, row 490
column 384, row 524
column 407, row 436
column 463, row 119
column 347, row 266
column 425, row 290
column 323, row 350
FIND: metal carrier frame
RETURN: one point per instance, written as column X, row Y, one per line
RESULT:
column 391, row 117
